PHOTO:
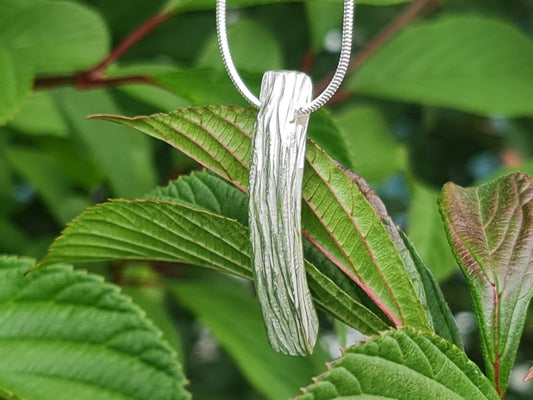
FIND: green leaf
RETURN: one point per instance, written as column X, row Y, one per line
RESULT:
column 395, row 236
column 40, row 116
column 194, row 5
column 168, row 231
column 402, row 365
column 154, row 230
column 42, row 171
column 206, row 191
column 337, row 217
column 74, row 162
column 125, row 158
column 192, row 131
column 324, row 17
column 491, row 232
column 443, row 321
column 372, row 150
column 66, row 335
column 16, row 79
column 206, row 85
column 9, row 6
column 427, row 232
column 332, row 289
column 341, row 304
column 469, row 62
column 157, row 97
column 347, row 228
column 243, row 38
column 56, row 36
column 233, row 316
column 326, row 133
column 147, row 290
column 12, row 239
column 8, row 396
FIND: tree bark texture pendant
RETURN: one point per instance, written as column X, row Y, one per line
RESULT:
column 275, row 212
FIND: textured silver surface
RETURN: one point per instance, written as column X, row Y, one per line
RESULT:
column 275, row 212
column 309, row 106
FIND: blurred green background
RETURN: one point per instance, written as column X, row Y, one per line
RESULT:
column 449, row 99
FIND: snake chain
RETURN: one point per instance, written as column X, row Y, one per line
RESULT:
column 329, row 91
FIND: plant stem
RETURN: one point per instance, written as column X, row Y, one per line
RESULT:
column 95, row 77
column 140, row 32
column 407, row 16
column 307, row 61
column 81, row 82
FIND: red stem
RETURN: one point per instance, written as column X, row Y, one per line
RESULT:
column 95, row 77
column 139, row 33
column 497, row 362
column 83, row 82
column 307, row 61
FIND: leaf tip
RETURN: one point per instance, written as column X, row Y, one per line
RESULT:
column 107, row 117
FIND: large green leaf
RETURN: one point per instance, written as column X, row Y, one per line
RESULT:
column 472, row 63
column 55, row 36
column 171, row 231
column 9, row 6
column 438, row 313
column 337, row 217
column 16, row 78
column 233, row 316
column 402, row 365
column 66, row 335
column 330, row 286
column 491, row 230
column 154, row 230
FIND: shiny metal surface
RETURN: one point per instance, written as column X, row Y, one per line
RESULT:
column 275, row 212
column 276, row 174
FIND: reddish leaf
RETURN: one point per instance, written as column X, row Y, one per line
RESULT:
column 491, row 230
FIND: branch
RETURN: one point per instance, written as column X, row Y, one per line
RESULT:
column 95, row 77
column 130, row 40
column 407, row 16
column 81, row 81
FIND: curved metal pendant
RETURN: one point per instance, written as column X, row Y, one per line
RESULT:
column 275, row 212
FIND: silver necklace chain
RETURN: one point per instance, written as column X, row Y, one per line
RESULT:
column 327, row 93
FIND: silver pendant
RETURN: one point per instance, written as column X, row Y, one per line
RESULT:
column 275, row 212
